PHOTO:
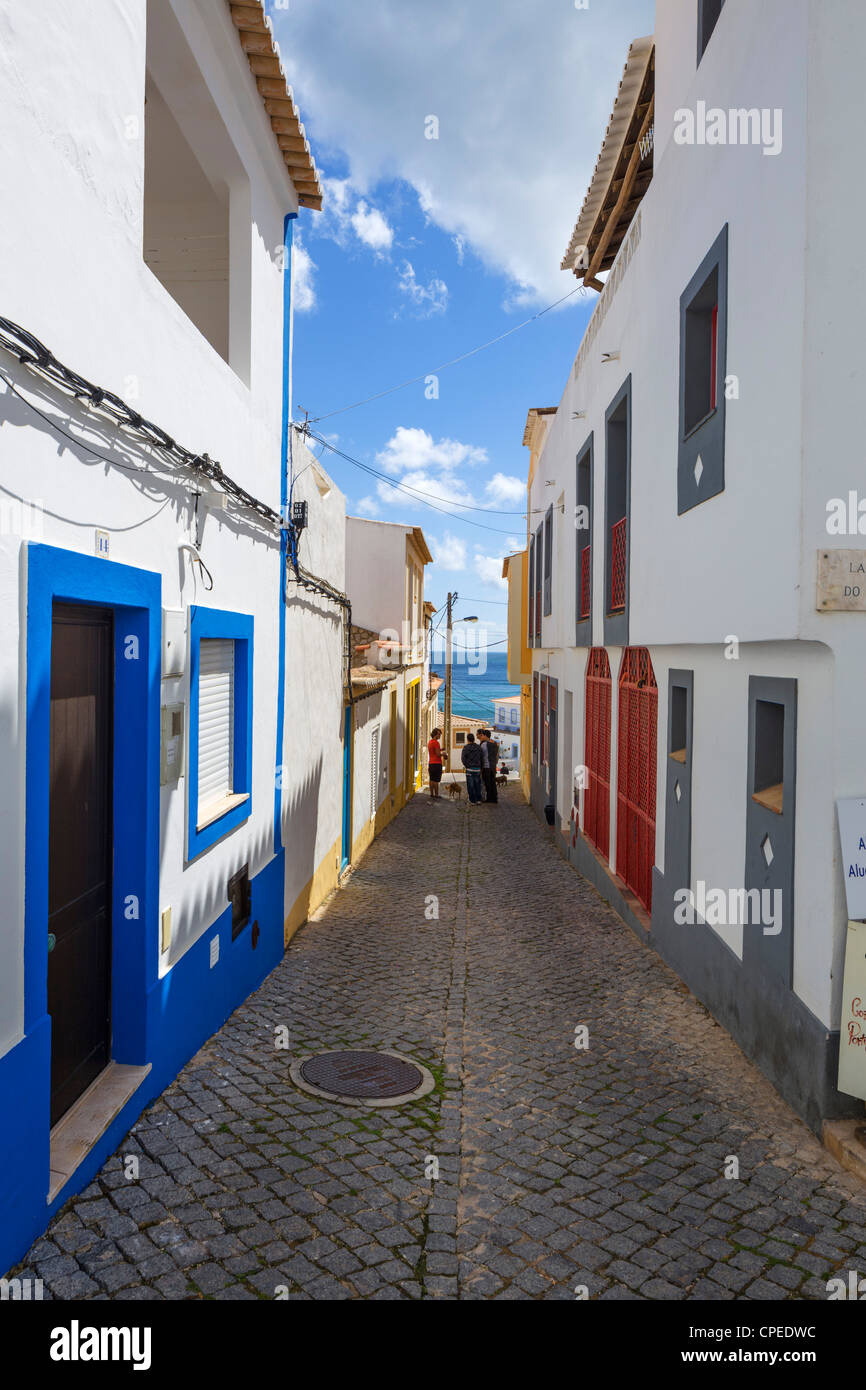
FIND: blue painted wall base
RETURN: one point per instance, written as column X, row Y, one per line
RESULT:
column 183, row 1010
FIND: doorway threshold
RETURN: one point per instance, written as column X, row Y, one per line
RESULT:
column 84, row 1124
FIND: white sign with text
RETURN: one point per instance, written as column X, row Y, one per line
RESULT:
column 852, row 833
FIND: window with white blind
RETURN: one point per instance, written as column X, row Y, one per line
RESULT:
column 220, row 725
column 216, row 680
column 374, row 772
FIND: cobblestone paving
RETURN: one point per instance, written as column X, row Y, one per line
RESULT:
column 558, row 1167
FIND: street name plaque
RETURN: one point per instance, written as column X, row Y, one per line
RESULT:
column 841, row 581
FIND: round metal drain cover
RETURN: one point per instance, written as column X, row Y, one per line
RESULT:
column 369, row 1078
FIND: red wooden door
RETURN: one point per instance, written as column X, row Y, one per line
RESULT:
column 636, row 773
column 596, row 801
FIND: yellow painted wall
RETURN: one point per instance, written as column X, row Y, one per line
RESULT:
column 390, row 807
column 519, row 654
column 323, row 882
column 525, row 738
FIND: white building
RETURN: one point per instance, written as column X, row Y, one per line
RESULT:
column 158, row 751
column 460, row 727
column 394, row 703
column 697, row 694
column 506, row 729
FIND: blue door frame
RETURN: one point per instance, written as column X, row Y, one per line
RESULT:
column 347, row 788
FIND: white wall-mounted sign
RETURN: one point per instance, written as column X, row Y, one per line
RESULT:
column 852, row 1038
column 852, row 833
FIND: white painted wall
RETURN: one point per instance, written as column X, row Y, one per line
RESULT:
column 72, row 271
column 376, row 575
column 313, row 737
column 372, row 712
column 742, row 564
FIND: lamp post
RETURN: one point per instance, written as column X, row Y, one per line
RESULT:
column 452, row 599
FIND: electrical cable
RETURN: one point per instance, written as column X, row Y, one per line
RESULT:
column 469, row 700
column 485, row 648
column 365, row 467
column 34, row 355
column 73, row 439
column 316, row 419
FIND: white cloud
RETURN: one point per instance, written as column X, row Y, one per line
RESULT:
column 489, row 570
column 450, row 552
column 371, row 228
column 346, row 218
column 459, row 247
column 503, row 491
column 446, row 492
column 368, row 506
column 303, row 278
column 413, row 450
column 428, row 299
column 514, row 153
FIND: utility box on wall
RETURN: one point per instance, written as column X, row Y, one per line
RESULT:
column 173, row 642
column 171, row 744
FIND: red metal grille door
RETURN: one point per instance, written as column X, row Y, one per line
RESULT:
column 636, row 773
column 596, row 801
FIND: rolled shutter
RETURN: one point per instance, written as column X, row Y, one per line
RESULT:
column 216, row 678
column 374, row 772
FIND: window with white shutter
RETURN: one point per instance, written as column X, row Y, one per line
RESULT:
column 374, row 773
column 220, row 777
column 215, row 724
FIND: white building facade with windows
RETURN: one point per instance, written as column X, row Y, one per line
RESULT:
column 506, row 730
column 171, row 786
column 697, row 694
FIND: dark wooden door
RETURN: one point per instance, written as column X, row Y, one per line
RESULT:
column 79, row 851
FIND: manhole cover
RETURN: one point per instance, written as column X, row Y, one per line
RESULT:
column 371, row 1078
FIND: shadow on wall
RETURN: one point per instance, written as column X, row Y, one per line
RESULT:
column 122, row 455
column 11, row 866
column 198, row 913
column 300, row 821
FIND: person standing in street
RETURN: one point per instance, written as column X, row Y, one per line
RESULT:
column 481, row 735
column 434, row 763
column 492, row 764
column 471, row 759
column 489, row 760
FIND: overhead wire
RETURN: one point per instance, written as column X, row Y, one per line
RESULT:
column 416, row 494
column 482, row 347
column 37, row 358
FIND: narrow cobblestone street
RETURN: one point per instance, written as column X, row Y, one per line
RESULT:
column 558, row 1167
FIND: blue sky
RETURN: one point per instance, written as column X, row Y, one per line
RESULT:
column 427, row 248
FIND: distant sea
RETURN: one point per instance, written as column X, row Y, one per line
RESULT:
column 475, row 691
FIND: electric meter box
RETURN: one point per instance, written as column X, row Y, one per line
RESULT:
column 173, row 642
column 171, row 744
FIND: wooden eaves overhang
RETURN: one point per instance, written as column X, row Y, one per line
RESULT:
column 623, row 171
column 536, row 421
column 257, row 40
